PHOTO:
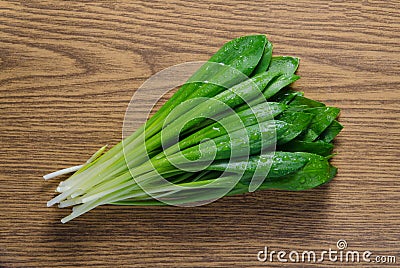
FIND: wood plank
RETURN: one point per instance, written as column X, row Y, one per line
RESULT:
column 69, row 68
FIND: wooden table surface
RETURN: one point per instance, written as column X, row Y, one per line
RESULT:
column 69, row 69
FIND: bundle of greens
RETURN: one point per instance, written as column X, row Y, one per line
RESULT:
column 264, row 135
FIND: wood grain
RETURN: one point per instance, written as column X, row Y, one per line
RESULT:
column 68, row 70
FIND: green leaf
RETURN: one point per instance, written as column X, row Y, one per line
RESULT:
column 259, row 113
column 265, row 60
column 285, row 96
column 298, row 123
column 316, row 172
column 287, row 63
column 316, row 147
column 302, row 101
column 330, row 132
column 323, row 117
column 281, row 164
